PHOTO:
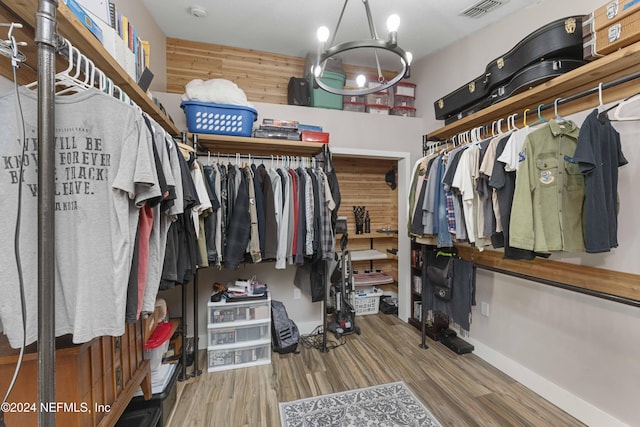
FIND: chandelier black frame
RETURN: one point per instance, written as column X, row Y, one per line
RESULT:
column 375, row 42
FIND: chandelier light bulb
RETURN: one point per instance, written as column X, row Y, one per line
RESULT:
column 393, row 23
column 323, row 34
column 409, row 58
column 361, row 80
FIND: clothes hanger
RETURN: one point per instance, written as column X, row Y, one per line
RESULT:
column 64, row 77
column 540, row 118
column 478, row 134
column 600, row 102
column 185, row 147
column 73, row 83
column 9, row 47
column 617, row 117
column 512, row 118
column 558, row 117
column 524, row 116
column 443, row 253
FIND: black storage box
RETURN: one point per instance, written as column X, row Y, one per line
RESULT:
column 148, row 417
column 163, row 401
column 456, row 344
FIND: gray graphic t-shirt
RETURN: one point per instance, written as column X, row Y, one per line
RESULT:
column 104, row 172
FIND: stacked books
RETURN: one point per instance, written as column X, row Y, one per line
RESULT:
column 130, row 36
column 278, row 129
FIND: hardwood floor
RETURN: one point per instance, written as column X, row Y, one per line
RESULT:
column 458, row 390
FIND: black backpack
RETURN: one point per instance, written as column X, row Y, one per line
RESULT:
column 284, row 332
column 298, row 92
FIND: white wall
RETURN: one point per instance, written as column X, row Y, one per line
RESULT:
column 580, row 352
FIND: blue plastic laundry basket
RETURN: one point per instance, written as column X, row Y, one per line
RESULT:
column 219, row 119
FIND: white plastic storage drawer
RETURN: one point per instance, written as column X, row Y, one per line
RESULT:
column 234, row 356
column 228, row 334
column 235, row 312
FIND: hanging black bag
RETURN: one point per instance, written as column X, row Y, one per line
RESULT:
column 440, row 276
column 298, row 92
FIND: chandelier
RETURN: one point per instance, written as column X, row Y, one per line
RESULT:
column 375, row 43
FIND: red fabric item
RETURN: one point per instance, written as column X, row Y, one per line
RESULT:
column 161, row 334
column 145, row 226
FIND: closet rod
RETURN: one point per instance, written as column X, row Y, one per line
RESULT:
column 252, row 157
column 585, row 291
column 196, row 146
column 45, row 39
column 428, row 144
column 622, row 80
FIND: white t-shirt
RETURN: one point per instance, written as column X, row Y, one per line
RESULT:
column 103, row 166
column 512, row 150
column 463, row 181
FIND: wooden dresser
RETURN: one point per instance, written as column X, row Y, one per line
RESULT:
column 94, row 381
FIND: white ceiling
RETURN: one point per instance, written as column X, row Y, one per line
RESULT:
column 289, row 26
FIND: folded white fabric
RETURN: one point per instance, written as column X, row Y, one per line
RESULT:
column 217, row 91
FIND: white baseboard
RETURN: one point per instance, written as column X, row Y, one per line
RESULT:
column 568, row 402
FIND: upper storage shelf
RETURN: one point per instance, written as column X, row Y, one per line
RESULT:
column 616, row 65
column 72, row 29
column 256, row 146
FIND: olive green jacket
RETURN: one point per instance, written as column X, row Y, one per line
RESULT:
column 547, row 205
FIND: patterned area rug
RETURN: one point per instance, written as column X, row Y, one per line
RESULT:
column 387, row 405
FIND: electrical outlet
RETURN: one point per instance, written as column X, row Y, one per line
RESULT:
column 485, row 309
column 296, row 293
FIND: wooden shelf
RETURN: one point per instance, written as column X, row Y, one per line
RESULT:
column 625, row 285
column 368, row 255
column 258, row 146
column 603, row 70
column 73, row 30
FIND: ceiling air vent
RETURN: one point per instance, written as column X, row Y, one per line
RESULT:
column 482, row 7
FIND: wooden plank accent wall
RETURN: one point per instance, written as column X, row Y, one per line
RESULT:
column 263, row 76
column 362, row 183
